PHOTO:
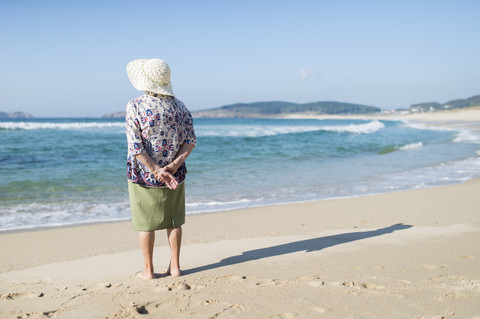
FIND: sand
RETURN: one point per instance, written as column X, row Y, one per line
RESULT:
column 410, row 254
column 467, row 118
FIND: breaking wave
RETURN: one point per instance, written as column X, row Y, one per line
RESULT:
column 413, row 146
column 271, row 130
column 367, row 128
column 29, row 126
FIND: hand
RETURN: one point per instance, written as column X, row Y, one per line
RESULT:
column 172, row 168
column 165, row 174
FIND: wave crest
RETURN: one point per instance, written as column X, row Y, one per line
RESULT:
column 271, row 130
column 251, row 130
column 29, row 126
column 465, row 136
column 367, row 128
column 413, row 146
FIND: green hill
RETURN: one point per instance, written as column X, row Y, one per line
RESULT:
column 278, row 107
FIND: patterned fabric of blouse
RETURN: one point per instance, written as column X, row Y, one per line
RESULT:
column 158, row 126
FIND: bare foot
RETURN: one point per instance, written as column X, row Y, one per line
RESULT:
column 145, row 275
column 174, row 272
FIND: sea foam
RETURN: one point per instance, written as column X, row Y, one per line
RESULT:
column 251, row 130
column 465, row 136
column 413, row 146
column 271, row 130
column 367, row 128
column 37, row 215
column 57, row 126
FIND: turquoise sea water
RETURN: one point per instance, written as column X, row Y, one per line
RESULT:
column 69, row 171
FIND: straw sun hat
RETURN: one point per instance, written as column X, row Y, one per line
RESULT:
column 151, row 75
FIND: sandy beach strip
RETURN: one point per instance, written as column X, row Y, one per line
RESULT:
column 409, row 254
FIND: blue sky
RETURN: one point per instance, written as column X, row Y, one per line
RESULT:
column 68, row 58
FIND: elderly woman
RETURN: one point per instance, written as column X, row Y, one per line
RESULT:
column 160, row 137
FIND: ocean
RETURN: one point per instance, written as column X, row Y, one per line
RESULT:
column 58, row 172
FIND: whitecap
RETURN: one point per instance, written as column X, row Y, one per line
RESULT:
column 413, row 146
column 252, row 130
column 28, row 126
column 271, row 130
column 466, row 136
column 367, row 128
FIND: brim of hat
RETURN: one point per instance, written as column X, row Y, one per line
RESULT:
column 142, row 83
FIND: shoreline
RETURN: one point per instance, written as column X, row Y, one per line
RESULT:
column 128, row 220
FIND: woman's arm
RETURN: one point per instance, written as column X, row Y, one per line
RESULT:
column 181, row 157
column 161, row 173
column 165, row 174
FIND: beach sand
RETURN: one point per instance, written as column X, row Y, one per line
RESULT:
column 409, row 254
column 468, row 118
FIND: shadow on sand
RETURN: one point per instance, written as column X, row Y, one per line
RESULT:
column 302, row 245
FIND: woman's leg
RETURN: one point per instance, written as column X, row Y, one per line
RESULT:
column 175, row 240
column 147, row 241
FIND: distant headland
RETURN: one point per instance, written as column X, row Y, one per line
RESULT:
column 278, row 108
column 15, row 115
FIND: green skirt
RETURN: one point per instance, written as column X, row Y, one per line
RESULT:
column 156, row 208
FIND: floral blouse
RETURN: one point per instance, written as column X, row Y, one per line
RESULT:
column 158, row 126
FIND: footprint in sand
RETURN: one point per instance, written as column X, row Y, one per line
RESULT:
column 377, row 267
column 318, row 309
column 181, row 286
column 209, row 302
column 178, row 286
column 234, row 278
column 95, row 286
column 312, row 281
column 163, row 288
column 368, row 285
column 222, row 308
column 434, row 266
column 196, row 287
column 334, row 283
column 17, row 295
column 315, row 284
column 307, row 278
column 131, row 311
column 45, row 314
column 273, row 282
column 443, row 278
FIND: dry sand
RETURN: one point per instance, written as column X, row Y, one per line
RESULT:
column 411, row 254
